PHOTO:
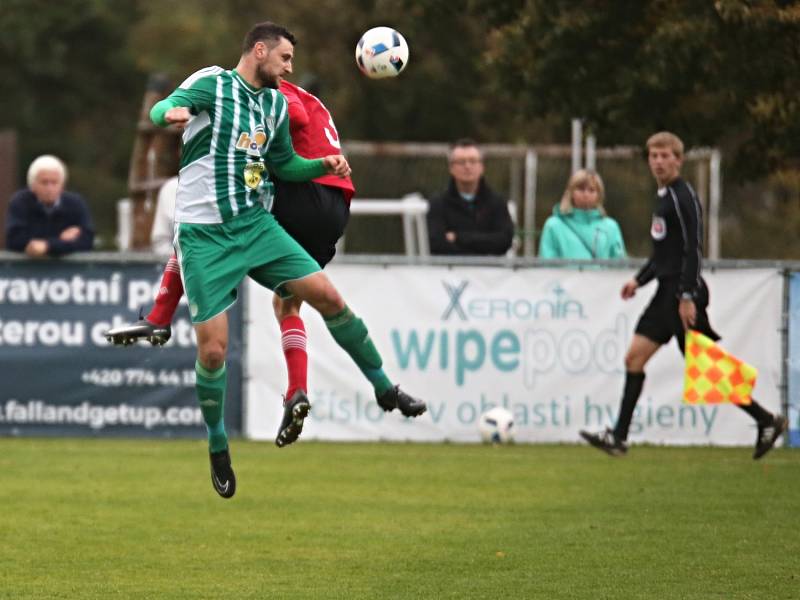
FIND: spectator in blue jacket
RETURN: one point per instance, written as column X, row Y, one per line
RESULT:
column 579, row 227
column 45, row 220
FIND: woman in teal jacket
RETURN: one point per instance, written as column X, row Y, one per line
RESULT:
column 579, row 227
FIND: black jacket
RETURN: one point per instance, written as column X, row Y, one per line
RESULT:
column 482, row 226
column 27, row 219
column 677, row 234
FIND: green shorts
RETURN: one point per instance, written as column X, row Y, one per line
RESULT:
column 216, row 257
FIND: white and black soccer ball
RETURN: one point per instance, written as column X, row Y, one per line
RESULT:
column 496, row 426
column 382, row 52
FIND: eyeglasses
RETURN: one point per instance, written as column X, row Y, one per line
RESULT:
column 466, row 161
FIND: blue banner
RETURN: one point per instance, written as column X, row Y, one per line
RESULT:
column 794, row 359
column 61, row 376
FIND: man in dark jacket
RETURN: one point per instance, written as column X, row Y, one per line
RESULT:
column 469, row 218
column 43, row 219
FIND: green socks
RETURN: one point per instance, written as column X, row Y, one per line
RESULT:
column 210, row 388
column 351, row 334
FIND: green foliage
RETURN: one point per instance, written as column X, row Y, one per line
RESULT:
column 74, row 91
column 724, row 73
column 138, row 519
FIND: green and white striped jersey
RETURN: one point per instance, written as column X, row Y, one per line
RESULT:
column 236, row 131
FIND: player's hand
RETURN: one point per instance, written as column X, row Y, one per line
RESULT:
column 687, row 312
column 337, row 165
column 37, row 248
column 70, row 234
column 450, row 236
column 178, row 116
column 629, row 289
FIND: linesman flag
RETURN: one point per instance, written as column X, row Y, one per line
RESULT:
column 713, row 376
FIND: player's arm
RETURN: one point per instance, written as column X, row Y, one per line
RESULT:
column 194, row 96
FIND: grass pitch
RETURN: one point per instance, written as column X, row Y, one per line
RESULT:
column 139, row 519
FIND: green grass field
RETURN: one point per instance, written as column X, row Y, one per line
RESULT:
column 139, row 519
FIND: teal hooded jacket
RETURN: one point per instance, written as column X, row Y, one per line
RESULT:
column 581, row 234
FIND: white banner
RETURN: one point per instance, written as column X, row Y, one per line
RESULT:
column 549, row 344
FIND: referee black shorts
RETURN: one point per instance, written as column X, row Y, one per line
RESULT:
column 661, row 320
column 315, row 215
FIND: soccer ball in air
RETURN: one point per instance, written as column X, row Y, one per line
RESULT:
column 496, row 426
column 381, row 52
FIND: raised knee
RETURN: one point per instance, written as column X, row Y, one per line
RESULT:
column 333, row 301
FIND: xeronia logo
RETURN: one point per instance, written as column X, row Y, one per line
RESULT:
column 558, row 306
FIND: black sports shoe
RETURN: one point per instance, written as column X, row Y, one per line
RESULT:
column 141, row 330
column 606, row 441
column 397, row 398
column 768, row 434
column 294, row 413
column 222, row 477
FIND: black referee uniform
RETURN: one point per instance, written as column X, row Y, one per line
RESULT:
column 677, row 234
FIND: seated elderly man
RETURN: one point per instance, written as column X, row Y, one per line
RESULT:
column 45, row 220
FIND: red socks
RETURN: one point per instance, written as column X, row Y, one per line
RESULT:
column 168, row 296
column 293, row 341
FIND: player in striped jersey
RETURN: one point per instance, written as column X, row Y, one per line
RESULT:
column 235, row 125
column 681, row 299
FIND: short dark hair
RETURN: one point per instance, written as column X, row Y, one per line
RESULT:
column 463, row 143
column 266, row 32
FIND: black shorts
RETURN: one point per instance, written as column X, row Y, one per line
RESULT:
column 313, row 214
column 660, row 320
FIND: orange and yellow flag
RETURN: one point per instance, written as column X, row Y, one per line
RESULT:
column 713, row 376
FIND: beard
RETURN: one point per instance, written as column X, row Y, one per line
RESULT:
column 267, row 79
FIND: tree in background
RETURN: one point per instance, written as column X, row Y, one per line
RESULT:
column 70, row 88
column 723, row 73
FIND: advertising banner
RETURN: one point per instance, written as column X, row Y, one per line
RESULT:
column 549, row 344
column 794, row 359
column 61, row 376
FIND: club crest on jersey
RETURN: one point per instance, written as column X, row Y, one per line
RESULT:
column 252, row 142
column 252, row 173
column 658, row 228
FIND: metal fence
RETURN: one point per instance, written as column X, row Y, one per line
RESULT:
column 533, row 178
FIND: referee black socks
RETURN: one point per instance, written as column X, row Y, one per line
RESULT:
column 630, row 396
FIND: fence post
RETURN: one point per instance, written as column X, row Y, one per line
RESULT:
column 529, row 217
column 577, row 144
column 8, row 176
column 714, row 200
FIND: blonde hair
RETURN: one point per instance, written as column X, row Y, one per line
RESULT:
column 46, row 162
column 665, row 139
column 582, row 178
